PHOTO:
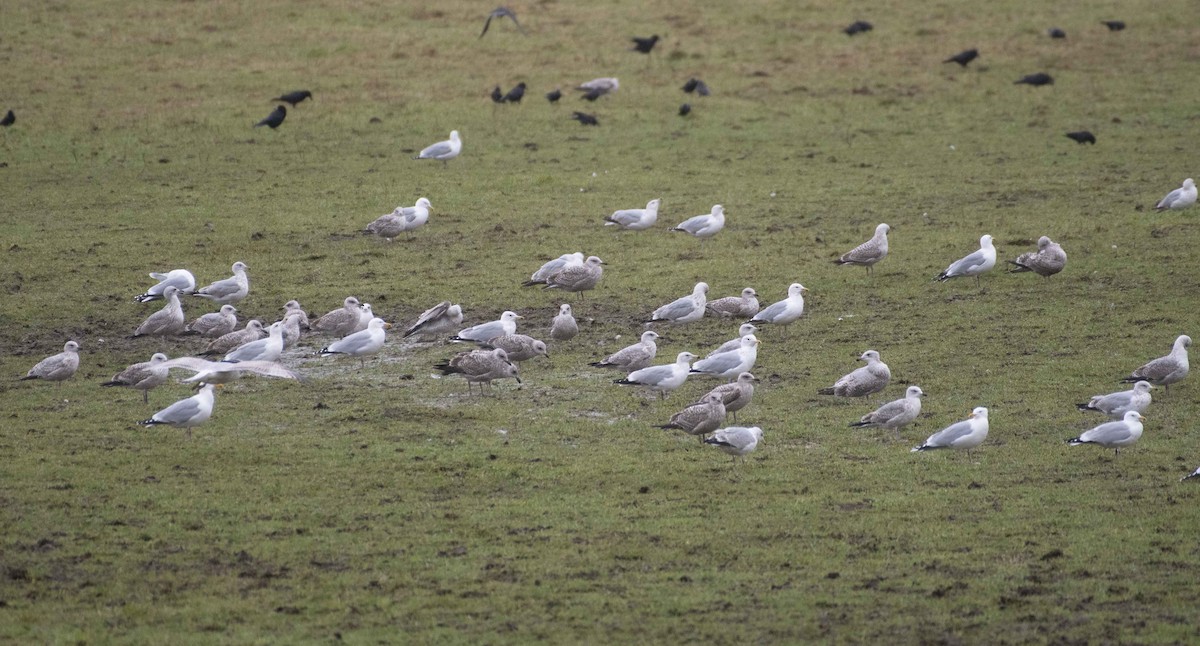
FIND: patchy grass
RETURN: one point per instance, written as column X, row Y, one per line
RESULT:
column 369, row 500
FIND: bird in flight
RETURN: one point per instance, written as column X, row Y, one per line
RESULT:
column 294, row 97
column 274, row 119
column 501, row 12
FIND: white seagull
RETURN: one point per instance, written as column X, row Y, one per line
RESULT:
column 1180, row 198
column 785, row 311
column 144, row 376
column 403, row 219
column 1113, row 435
column 704, row 226
column 663, row 379
column 507, row 324
column 268, row 349
column 635, row 219
column 963, row 436
column 229, row 290
column 186, row 413
column 360, row 344
column 1167, row 370
column 738, row 441
column 1115, row 405
column 894, row 415
column 684, row 309
column 56, row 367
column 443, row 151
column 181, row 279
column 728, row 365
column 973, row 264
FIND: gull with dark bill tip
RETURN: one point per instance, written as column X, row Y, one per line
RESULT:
column 360, row 344
column 973, row 264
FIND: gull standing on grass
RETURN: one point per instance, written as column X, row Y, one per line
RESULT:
column 1113, row 435
column 268, row 349
column 439, row 319
column 633, row 357
column 974, row 264
column 507, row 324
column 1180, row 198
column 229, row 290
column 341, row 321
column 518, row 347
column 361, row 343
column 252, row 332
column 738, row 441
column 728, row 365
column 443, row 151
column 962, row 436
column 181, row 279
column 221, row 372
column 214, row 324
column 704, row 226
column 869, row 252
column 404, row 218
column 1115, row 405
column 293, row 307
column 364, row 318
column 1167, row 370
column 700, row 418
column 864, row 381
column 168, row 321
column 554, row 266
column 635, row 219
column 57, row 367
column 894, row 415
column 480, row 367
column 684, row 309
column 186, row 413
column 578, row 279
column 783, row 312
column 736, row 307
column 291, row 328
column 737, row 395
column 1048, row 260
column 144, row 376
column 564, row 327
column 735, row 342
column 662, row 379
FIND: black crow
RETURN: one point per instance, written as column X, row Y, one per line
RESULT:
column 691, row 85
column 644, row 45
column 585, row 119
column 858, row 27
column 516, row 94
column 554, row 96
column 1083, row 137
column 593, row 94
column 685, row 109
column 1039, row 79
column 702, row 89
column 294, row 97
column 274, row 119
column 8, row 119
column 1113, row 25
column 501, row 12
column 963, row 57
column 1055, row 32
column 497, row 95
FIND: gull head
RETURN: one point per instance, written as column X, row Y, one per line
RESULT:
column 914, row 391
column 978, row 413
column 869, row 355
column 985, row 241
column 239, row 266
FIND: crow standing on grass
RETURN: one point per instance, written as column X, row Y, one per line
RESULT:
column 1036, row 80
column 501, row 12
column 274, row 119
column 554, row 96
column 516, row 94
column 497, row 95
column 858, row 27
column 963, row 57
column 644, row 45
column 8, row 119
column 585, row 119
column 1113, row 25
column 1082, row 137
column 294, row 97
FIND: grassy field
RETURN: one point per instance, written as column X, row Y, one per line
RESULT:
column 382, row 504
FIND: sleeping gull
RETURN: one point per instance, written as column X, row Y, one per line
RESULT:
column 735, row 307
column 973, row 264
column 443, row 151
column 222, row 372
column 894, row 415
column 684, row 309
column 735, row 342
column 635, row 219
column 166, row 322
column 186, row 413
column 1048, row 260
column 1113, row 435
column 577, row 278
column 700, row 418
column 518, row 347
column 1167, row 370
column 57, row 367
column 268, row 349
column 181, row 279
column 964, row 435
column 542, row 275
column 564, row 327
column 737, row 395
column 633, row 357
column 144, row 376
column 361, row 343
column 704, row 226
column 786, row 311
column 507, row 324
column 738, row 441
column 864, row 381
column 728, row 365
column 341, row 321
column 229, row 290
column 869, row 252
column 1180, row 198
column 404, row 218
column 252, row 332
column 1115, row 405
column 663, row 378
column 214, row 324
column 440, row 318
column 480, row 366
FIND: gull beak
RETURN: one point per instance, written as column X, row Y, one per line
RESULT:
column 387, row 326
column 1141, row 418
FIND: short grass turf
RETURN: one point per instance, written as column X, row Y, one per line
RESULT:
column 379, row 504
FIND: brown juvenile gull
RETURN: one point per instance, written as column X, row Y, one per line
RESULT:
column 573, row 278
column 518, row 347
column 896, row 414
column 633, row 357
column 700, row 418
column 864, row 381
column 293, row 307
column 58, row 367
column 736, row 395
column 229, row 290
column 291, row 328
column 168, row 321
column 1167, row 370
column 1048, row 260
column 401, row 220
column 221, row 372
column 735, row 307
column 144, row 376
column 564, row 327
column 219, row 346
column 869, row 252
column 341, row 321
column 542, row 275
column 440, row 318
column 214, row 324
column 480, row 366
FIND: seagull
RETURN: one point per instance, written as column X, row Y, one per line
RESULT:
column 359, row 344
column 1180, row 198
column 440, row 318
column 785, row 311
column 480, row 367
column 564, row 327
column 664, row 378
column 1194, row 474
column 1167, row 370
column 735, row 307
column 186, row 413
column 1036, row 80
column 734, row 343
column 635, row 219
column 291, row 328
column 704, row 226
column 738, row 441
column 554, row 95
column 294, row 97
column 516, row 94
column 443, row 151
column 219, row 346
column 602, row 85
column 341, row 321
column 869, row 252
column 577, row 278
column 1048, row 260
column 222, row 372
column 364, row 318
column 144, row 376
column 268, row 349
column 964, row 57
column 736, row 395
column 964, row 435
column 404, row 218
column 896, row 414
column 858, row 27
column 644, row 45
column 181, row 279
column 214, row 324
column 58, row 367
column 585, row 119
column 551, row 267
column 518, row 347
column 275, row 119
column 293, row 307
column 229, row 290
column 633, row 357
column 700, row 418
column 1082, row 137
column 684, row 309
column 507, row 324
column 501, row 12
column 168, row 321
column 1115, row 405
column 865, row 381
column 1113, row 435
column 1113, row 25
column 973, row 264
column 728, row 365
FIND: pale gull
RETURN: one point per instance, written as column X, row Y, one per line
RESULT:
column 600, row 86
column 181, row 279
column 684, row 309
column 365, row 315
column 1048, row 260
column 864, row 381
column 564, row 327
column 542, row 275
column 786, row 311
column 896, row 414
column 704, row 226
column 1194, row 474
column 635, row 219
column 214, row 324
column 633, row 357
column 144, row 376
column 662, row 379
column 57, row 367
column 576, row 278
column 186, row 413
column 403, row 219
column 439, row 319
column 735, row 307
column 737, row 441
column 973, row 264
column 168, row 321
column 963, row 436
column 361, row 343
column 293, row 307
column 869, row 252
column 1180, row 198
column 1115, row 405
column 1113, row 435
column 735, row 342
column 291, row 328
column 507, row 324
column 229, row 290
column 736, row 395
column 1167, row 370
column 268, row 349
column 222, row 372
column 443, row 151
column 728, row 365
column 700, row 418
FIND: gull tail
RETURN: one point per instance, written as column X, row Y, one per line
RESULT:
column 1020, row 268
column 859, row 424
column 715, row 442
column 1130, row 379
column 925, row 447
column 1194, row 474
column 534, row 283
column 150, row 422
column 941, row 278
column 667, row 427
column 26, row 378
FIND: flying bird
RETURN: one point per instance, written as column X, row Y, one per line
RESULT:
column 585, row 119
column 1082, row 137
column 8, row 119
column 1113, row 25
column 644, row 45
column 443, row 151
column 1048, row 260
column 223, row 372
column 858, row 27
column 501, row 12
column 964, row 57
column 274, row 119
column 1036, row 80
column 294, row 97
column 973, row 264
column 1180, row 198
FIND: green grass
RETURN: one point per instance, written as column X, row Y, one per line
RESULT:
column 379, row 503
